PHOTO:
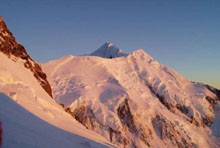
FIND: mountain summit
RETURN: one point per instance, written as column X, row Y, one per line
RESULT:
column 108, row 50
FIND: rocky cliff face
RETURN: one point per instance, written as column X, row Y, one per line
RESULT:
column 14, row 50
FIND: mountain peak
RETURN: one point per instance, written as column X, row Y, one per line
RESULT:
column 3, row 26
column 141, row 53
column 108, row 50
column 109, row 44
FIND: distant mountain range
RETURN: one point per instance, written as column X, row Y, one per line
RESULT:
column 105, row 99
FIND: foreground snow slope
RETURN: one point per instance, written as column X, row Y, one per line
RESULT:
column 133, row 101
column 34, row 119
column 22, row 129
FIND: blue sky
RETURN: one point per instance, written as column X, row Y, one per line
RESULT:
column 184, row 35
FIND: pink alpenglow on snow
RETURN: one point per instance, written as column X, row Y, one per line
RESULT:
column 134, row 101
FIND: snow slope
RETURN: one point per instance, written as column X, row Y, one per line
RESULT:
column 10, row 47
column 22, row 129
column 133, row 101
column 31, row 118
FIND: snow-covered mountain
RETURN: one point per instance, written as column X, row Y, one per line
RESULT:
column 108, row 50
column 28, row 114
column 104, row 99
column 134, row 101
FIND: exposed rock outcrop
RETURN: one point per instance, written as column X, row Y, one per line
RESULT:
column 131, row 133
column 167, row 131
column 84, row 115
column 136, row 129
column 198, row 121
column 14, row 50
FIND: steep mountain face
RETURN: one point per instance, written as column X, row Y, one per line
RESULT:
column 29, row 117
column 133, row 101
column 15, row 51
column 108, row 50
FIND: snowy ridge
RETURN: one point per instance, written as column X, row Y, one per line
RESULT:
column 108, row 50
column 15, row 51
column 133, row 101
column 36, row 106
column 28, row 114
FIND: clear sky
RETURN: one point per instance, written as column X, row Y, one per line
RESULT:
column 182, row 34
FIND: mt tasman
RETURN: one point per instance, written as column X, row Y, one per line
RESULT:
column 108, row 98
